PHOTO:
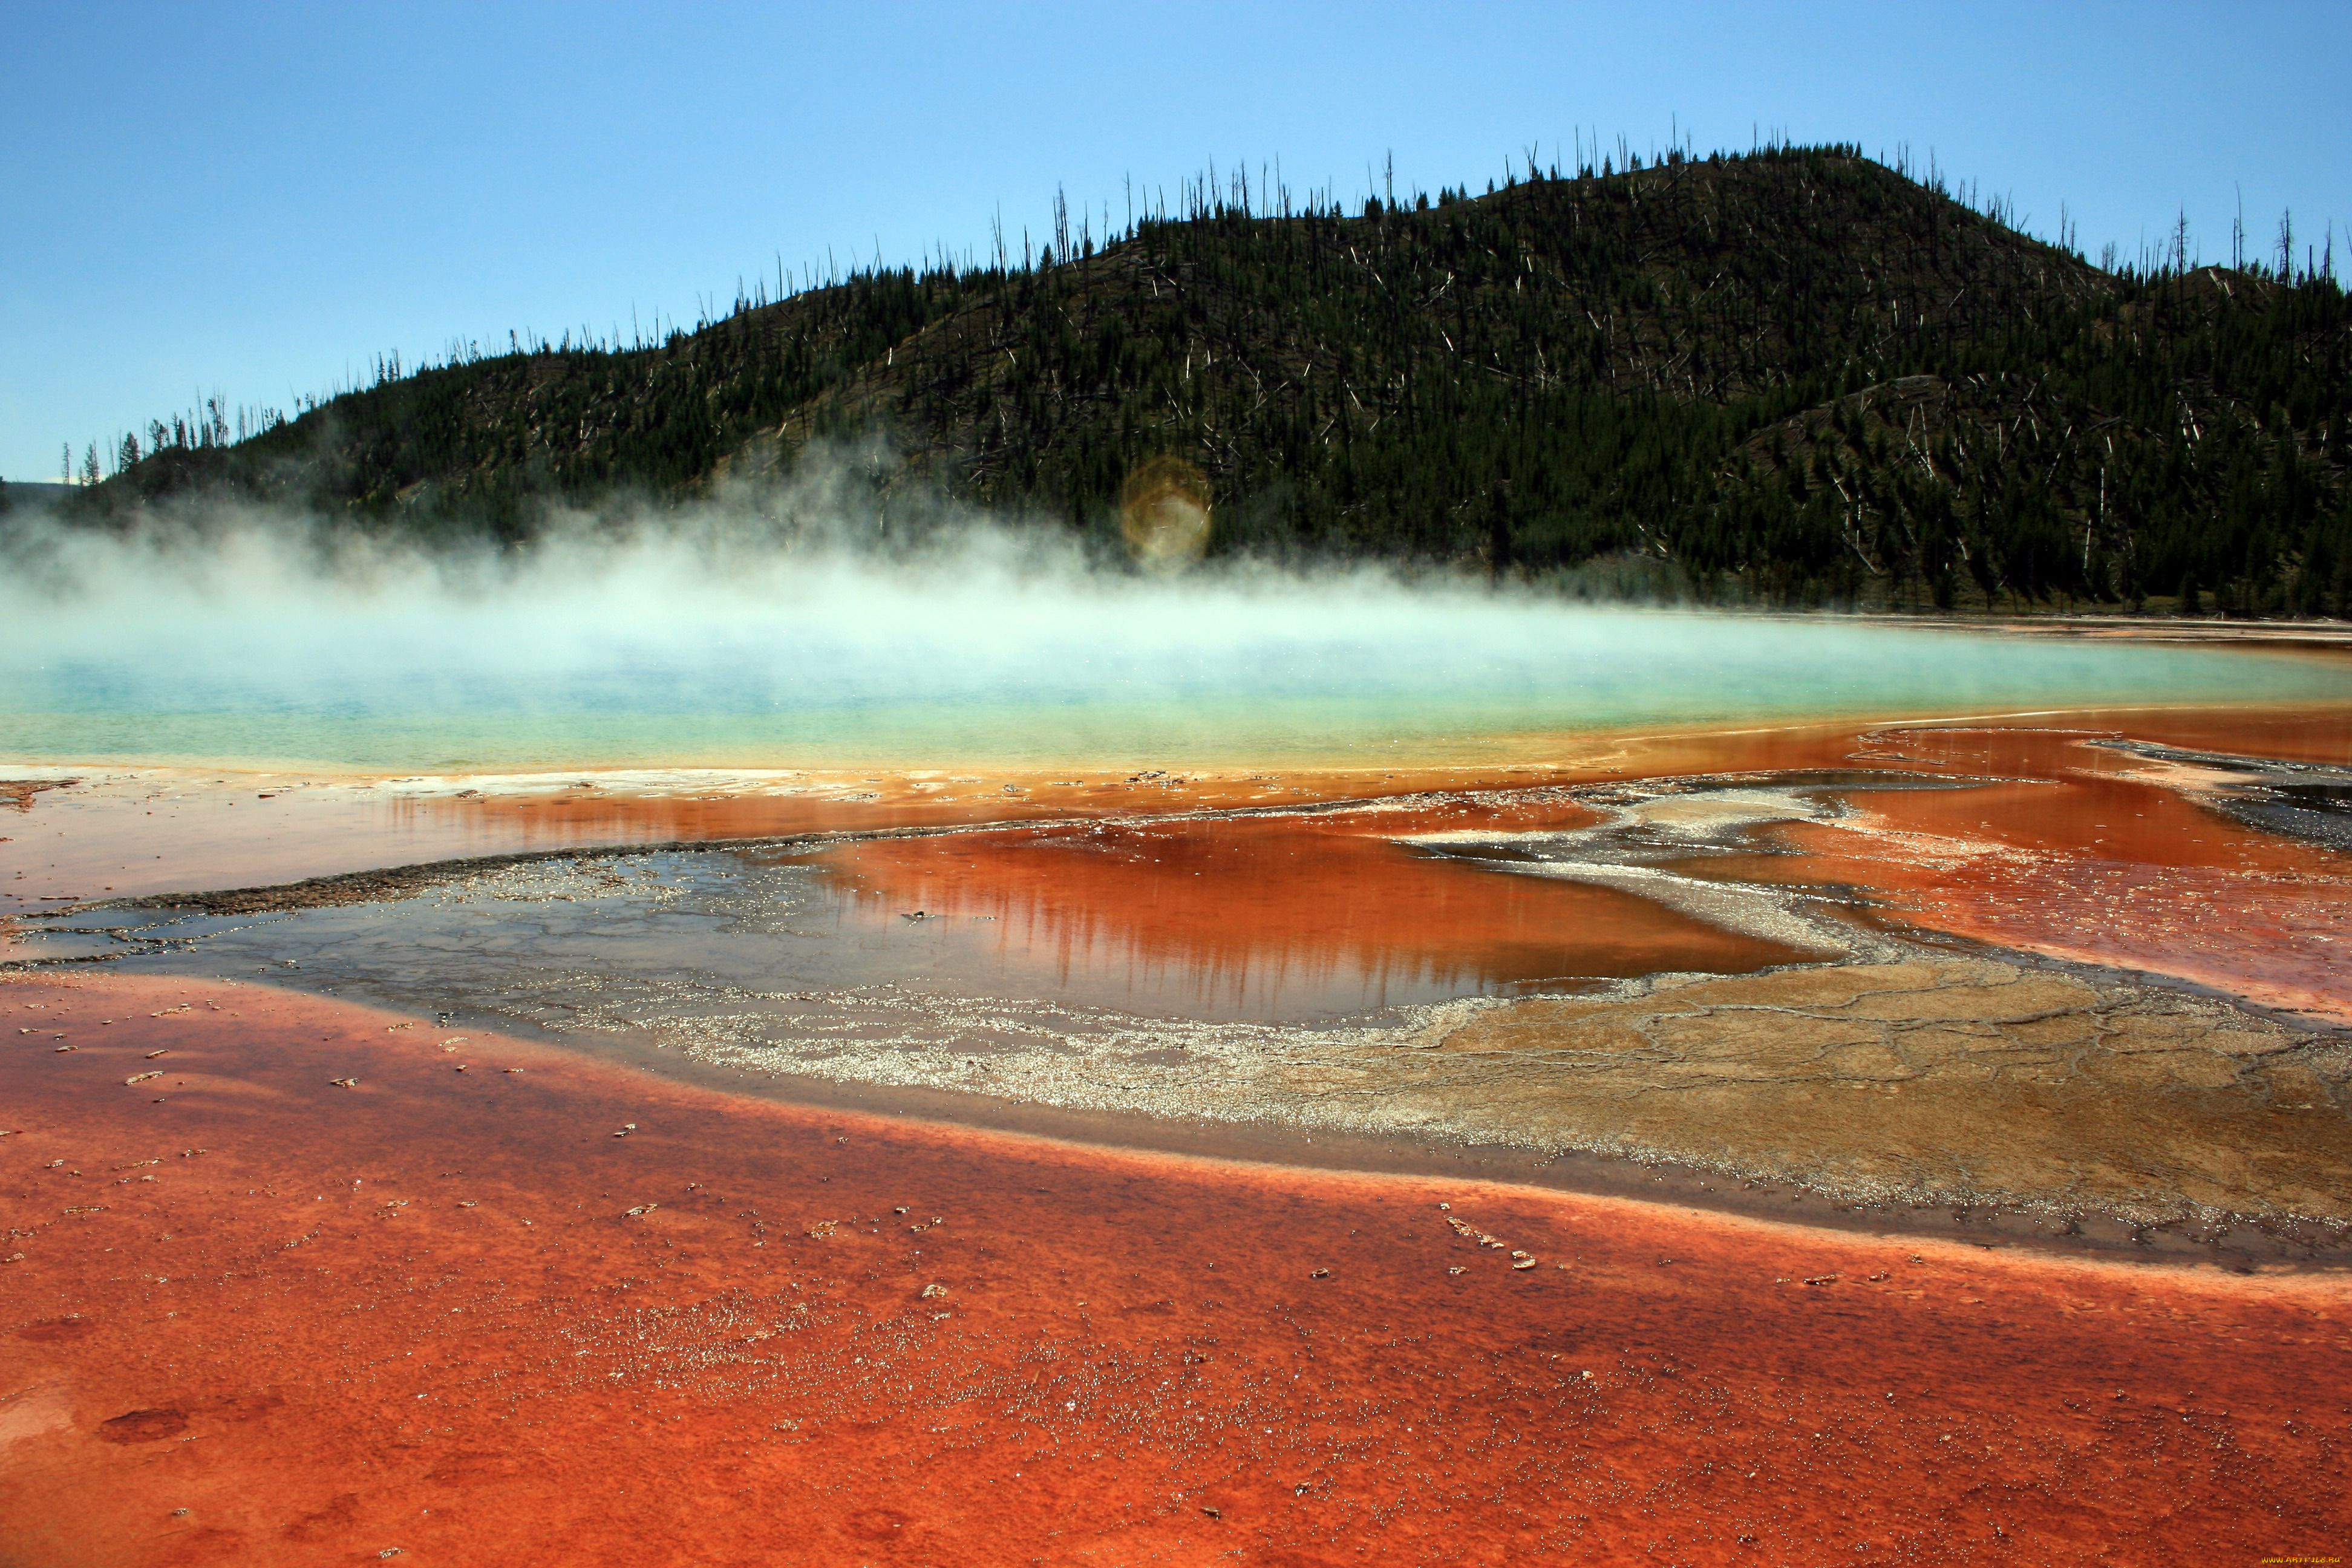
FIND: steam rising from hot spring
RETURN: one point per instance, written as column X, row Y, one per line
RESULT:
column 725, row 638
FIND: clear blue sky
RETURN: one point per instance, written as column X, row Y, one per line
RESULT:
column 257, row 199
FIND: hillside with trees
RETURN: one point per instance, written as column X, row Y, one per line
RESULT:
column 1794, row 378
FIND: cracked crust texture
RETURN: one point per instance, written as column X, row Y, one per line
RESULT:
column 1928, row 1081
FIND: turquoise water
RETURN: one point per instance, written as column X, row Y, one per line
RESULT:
column 845, row 665
column 787, row 704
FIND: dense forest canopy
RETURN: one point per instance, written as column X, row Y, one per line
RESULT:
column 1795, row 376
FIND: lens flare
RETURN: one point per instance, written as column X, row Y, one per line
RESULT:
column 1163, row 510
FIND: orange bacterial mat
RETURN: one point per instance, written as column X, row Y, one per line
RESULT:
column 290, row 1281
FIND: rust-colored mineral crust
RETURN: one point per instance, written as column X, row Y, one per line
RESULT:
column 313, row 1297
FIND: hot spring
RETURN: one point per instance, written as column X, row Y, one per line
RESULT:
column 655, row 652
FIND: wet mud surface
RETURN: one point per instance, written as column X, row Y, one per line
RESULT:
column 1909, row 1085
column 312, row 1294
column 1963, row 1082
column 1626, row 1002
column 2085, row 845
column 1554, row 969
column 136, row 833
column 132, row 833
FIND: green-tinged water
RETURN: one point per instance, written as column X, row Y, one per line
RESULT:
column 861, row 667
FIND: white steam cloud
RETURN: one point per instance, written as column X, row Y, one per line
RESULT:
column 806, row 626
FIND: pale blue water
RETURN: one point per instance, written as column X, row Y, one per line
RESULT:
column 787, row 703
column 657, row 665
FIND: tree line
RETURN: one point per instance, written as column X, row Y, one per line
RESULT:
column 1795, row 376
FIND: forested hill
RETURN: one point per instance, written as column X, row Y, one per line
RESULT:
column 1791, row 377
